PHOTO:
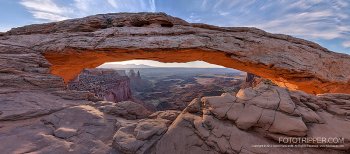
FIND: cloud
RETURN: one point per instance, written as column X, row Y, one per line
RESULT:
column 319, row 20
column 82, row 5
column 48, row 16
column 45, row 9
column 56, row 10
column 193, row 18
column 307, row 24
column 4, row 29
column 223, row 13
column 204, row 4
column 302, row 4
column 341, row 3
column 42, row 5
column 152, row 4
column 312, row 19
column 113, row 3
column 346, row 44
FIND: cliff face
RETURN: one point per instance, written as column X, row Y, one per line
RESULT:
column 109, row 85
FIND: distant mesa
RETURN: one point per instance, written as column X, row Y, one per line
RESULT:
column 116, row 66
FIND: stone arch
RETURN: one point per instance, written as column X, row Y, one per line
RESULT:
column 70, row 63
column 88, row 42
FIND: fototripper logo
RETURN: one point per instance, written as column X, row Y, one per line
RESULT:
column 306, row 142
column 311, row 140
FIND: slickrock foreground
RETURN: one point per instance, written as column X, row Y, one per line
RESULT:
column 219, row 124
column 39, row 115
column 255, row 116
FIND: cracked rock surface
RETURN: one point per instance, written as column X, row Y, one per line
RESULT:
column 139, row 137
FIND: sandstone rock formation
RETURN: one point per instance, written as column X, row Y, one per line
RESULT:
column 251, row 80
column 83, row 129
column 137, row 83
column 219, row 124
column 75, row 44
column 255, row 116
column 107, row 84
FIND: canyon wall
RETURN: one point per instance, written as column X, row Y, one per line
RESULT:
column 106, row 84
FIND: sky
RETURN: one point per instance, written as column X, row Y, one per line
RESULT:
column 326, row 22
column 193, row 64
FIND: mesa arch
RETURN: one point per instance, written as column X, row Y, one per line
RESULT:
column 88, row 42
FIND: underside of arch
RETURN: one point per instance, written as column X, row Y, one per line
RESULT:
column 69, row 63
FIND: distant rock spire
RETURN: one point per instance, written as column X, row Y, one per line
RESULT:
column 138, row 74
column 132, row 73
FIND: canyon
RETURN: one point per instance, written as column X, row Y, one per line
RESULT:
column 175, row 88
column 158, row 88
column 304, row 90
